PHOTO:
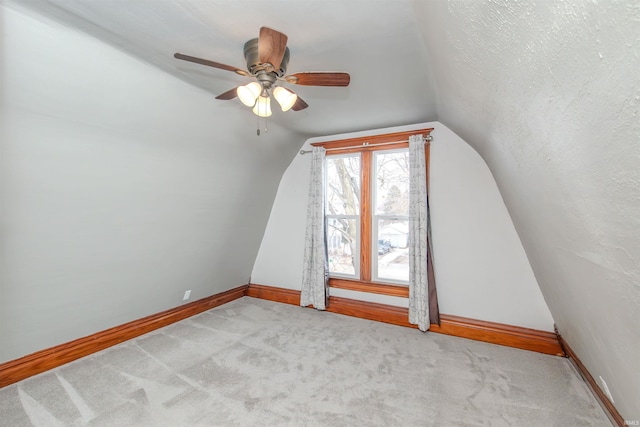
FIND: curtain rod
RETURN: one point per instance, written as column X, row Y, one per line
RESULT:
column 427, row 138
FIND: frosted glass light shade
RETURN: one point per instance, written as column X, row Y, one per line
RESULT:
column 263, row 107
column 249, row 93
column 285, row 98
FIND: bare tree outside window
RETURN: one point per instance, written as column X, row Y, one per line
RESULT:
column 343, row 214
column 391, row 216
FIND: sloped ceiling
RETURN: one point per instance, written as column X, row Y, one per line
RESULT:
column 377, row 43
column 547, row 92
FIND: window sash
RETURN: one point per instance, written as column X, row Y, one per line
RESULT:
column 331, row 159
column 375, row 237
column 376, row 218
column 332, row 247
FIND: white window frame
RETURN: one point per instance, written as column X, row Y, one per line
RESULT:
column 375, row 220
column 357, row 218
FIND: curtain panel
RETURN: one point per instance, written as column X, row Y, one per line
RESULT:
column 418, row 235
column 315, row 273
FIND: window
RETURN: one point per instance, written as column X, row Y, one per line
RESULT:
column 367, row 212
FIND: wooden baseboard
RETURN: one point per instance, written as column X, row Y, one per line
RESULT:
column 607, row 405
column 495, row 333
column 27, row 366
column 271, row 293
column 348, row 307
column 499, row 333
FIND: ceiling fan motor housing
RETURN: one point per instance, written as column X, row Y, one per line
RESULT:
column 253, row 60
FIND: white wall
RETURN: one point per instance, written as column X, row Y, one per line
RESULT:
column 481, row 269
column 121, row 187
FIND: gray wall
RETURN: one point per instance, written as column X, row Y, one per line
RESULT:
column 548, row 94
column 121, row 187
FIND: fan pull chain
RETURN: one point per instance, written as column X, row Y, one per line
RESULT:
column 266, row 126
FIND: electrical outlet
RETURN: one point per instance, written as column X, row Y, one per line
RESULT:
column 606, row 389
column 187, row 294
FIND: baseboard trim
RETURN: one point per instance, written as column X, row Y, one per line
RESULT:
column 349, row 307
column 499, row 333
column 607, row 405
column 491, row 332
column 370, row 310
column 41, row 361
column 272, row 293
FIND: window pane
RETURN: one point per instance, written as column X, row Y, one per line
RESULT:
column 392, row 183
column 343, row 246
column 393, row 253
column 343, row 185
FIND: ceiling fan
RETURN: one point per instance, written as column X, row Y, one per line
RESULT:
column 267, row 59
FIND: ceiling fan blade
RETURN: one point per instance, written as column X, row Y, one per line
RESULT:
column 319, row 79
column 230, row 94
column 299, row 105
column 271, row 47
column 210, row 63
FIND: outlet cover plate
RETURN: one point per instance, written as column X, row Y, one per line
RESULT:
column 605, row 388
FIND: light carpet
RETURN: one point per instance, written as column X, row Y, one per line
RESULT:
column 253, row 362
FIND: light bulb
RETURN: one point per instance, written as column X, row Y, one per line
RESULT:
column 249, row 93
column 263, row 106
column 285, row 98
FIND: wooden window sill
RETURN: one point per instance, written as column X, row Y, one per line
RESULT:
column 370, row 287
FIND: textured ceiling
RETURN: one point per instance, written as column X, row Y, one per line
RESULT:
column 549, row 94
column 376, row 42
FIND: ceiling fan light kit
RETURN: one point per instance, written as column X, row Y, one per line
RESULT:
column 249, row 93
column 285, row 97
column 267, row 58
column 262, row 107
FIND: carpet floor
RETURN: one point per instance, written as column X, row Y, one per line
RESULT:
column 253, row 362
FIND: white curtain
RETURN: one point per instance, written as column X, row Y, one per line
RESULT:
column 315, row 273
column 418, row 224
